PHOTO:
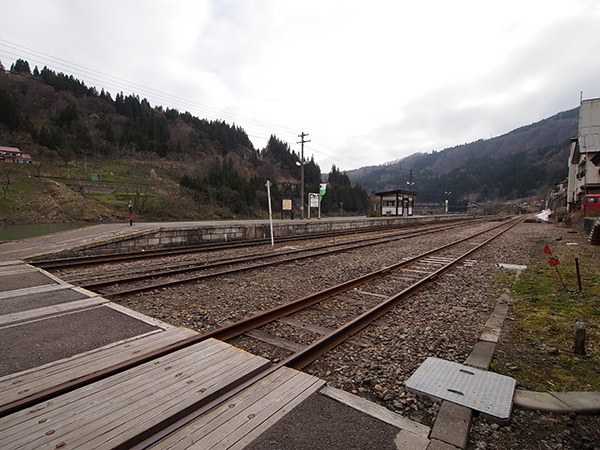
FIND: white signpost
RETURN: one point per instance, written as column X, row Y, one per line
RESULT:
column 268, row 185
column 313, row 202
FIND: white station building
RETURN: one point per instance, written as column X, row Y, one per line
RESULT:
column 397, row 203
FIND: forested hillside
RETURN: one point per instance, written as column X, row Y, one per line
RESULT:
column 172, row 164
column 525, row 162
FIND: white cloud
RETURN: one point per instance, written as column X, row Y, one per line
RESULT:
column 370, row 81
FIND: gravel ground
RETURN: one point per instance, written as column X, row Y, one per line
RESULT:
column 533, row 430
column 445, row 320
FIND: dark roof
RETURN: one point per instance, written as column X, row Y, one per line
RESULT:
column 397, row 191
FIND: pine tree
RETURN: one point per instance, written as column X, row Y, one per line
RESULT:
column 8, row 111
column 20, row 66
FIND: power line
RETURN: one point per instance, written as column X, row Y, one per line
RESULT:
column 118, row 84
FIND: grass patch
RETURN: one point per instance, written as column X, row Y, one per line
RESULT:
column 538, row 348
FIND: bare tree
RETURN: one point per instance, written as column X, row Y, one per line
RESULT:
column 35, row 168
column 140, row 195
column 6, row 169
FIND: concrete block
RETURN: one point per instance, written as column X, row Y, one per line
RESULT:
column 452, row 424
column 482, row 355
column 540, row 401
column 407, row 440
column 580, row 402
column 434, row 444
column 490, row 335
column 494, row 321
column 502, row 306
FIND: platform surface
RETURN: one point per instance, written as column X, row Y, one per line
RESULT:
column 57, row 332
column 111, row 411
column 70, row 239
column 53, row 332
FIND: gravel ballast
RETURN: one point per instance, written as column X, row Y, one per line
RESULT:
column 443, row 320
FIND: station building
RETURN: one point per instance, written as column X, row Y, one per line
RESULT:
column 584, row 155
column 396, row 203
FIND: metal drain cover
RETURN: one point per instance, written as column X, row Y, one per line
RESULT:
column 477, row 389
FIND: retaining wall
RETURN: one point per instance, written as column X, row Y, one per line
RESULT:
column 173, row 236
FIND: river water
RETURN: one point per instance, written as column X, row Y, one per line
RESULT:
column 16, row 232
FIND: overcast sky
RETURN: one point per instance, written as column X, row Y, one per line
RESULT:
column 370, row 81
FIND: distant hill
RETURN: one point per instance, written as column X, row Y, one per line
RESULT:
column 525, row 162
column 210, row 169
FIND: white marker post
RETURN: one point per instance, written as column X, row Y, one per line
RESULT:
column 268, row 184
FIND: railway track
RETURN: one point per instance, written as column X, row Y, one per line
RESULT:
column 115, row 284
column 81, row 261
column 404, row 278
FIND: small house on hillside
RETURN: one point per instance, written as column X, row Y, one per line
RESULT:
column 396, row 203
column 584, row 155
column 15, row 155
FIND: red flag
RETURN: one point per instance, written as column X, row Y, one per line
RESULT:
column 553, row 262
column 547, row 250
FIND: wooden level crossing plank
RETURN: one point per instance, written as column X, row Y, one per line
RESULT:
column 12, row 304
column 14, row 387
column 27, row 280
column 16, row 270
column 33, row 290
column 113, row 410
column 130, row 421
column 116, row 383
column 46, row 311
column 246, row 415
column 13, row 262
column 211, row 421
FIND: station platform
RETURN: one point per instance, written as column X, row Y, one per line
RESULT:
column 122, row 238
column 53, row 332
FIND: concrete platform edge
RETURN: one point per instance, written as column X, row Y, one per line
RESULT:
column 375, row 410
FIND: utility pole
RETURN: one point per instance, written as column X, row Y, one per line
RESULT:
column 410, row 181
column 302, row 141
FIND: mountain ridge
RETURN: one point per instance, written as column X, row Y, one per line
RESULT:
column 526, row 161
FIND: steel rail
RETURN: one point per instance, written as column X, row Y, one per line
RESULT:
column 297, row 361
column 331, row 248
column 223, row 333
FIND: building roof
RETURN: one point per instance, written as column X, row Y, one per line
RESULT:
column 9, row 149
column 397, row 191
